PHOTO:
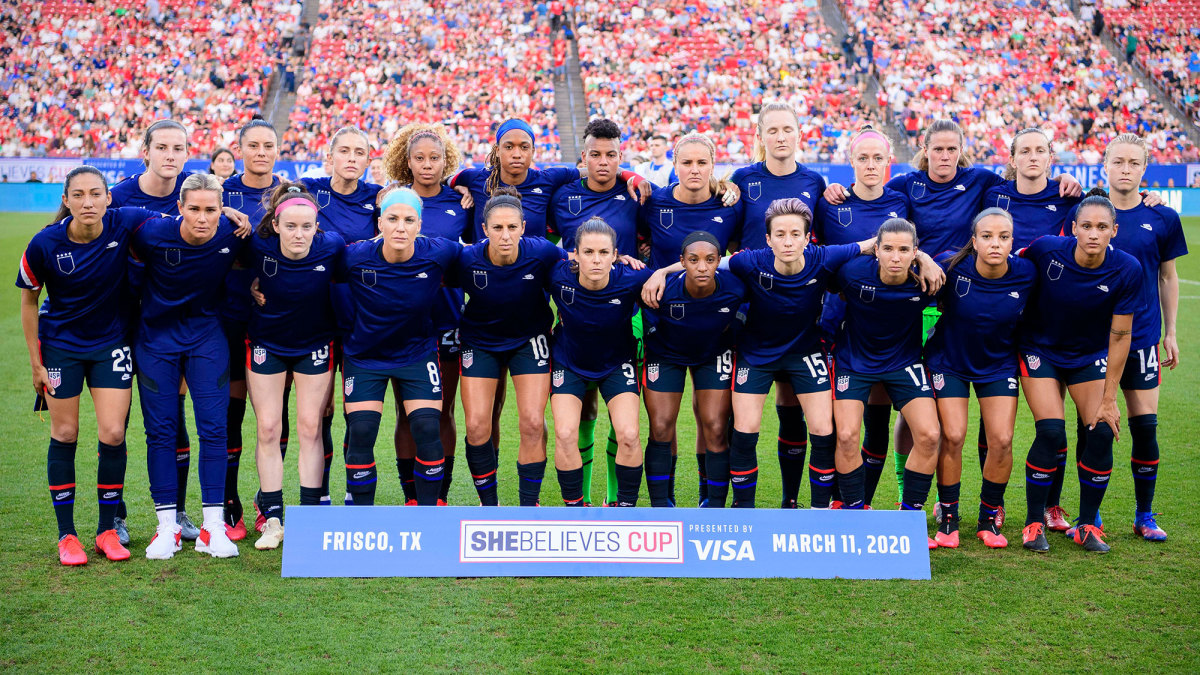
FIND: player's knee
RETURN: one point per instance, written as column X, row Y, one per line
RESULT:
column 926, row 438
column 270, row 430
column 628, row 437
column 111, row 433
column 715, row 432
column 529, row 426
column 953, row 436
column 847, row 437
column 308, row 426
column 662, row 430
column 67, row 432
column 479, row 428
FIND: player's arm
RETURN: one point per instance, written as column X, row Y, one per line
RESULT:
column 652, row 290
column 1168, row 294
column 29, row 326
column 928, row 273
column 1119, row 337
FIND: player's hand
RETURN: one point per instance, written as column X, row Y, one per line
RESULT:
column 256, row 293
column 41, row 381
column 633, row 263
column 1151, row 199
column 640, row 189
column 244, row 228
column 467, row 200
column 929, row 274
column 730, row 192
column 1068, row 186
column 1109, row 414
column 1168, row 356
column 835, row 194
column 652, row 290
column 644, row 249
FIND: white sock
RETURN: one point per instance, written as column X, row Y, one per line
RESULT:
column 166, row 517
column 213, row 518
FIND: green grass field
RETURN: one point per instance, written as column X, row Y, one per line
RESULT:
column 1136, row 609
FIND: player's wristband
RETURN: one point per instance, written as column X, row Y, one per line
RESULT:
column 632, row 178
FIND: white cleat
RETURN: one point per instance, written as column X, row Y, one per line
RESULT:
column 165, row 543
column 215, row 542
column 272, row 535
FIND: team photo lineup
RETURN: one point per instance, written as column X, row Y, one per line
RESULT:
column 597, row 284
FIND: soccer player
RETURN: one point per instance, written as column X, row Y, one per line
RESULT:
column 221, row 163
column 975, row 343
column 1076, row 334
column 777, row 175
column 290, row 336
column 506, row 327
column 690, row 328
column 164, row 152
column 395, row 281
column 1035, row 202
column 1154, row 236
column 246, row 192
column 423, row 156
column 593, row 343
column 187, row 258
column 347, row 207
column 82, row 335
column 880, row 342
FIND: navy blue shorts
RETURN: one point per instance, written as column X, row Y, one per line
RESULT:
column 235, row 337
column 902, row 386
column 420, row 381
column 807, row 373
column 949, row 386
column 448, row 345
column 1141, row 370
column 668, row 378
column 1033, row 365
column 109, row 367
column 260, row 361
column 531, row 358
column 621, row 380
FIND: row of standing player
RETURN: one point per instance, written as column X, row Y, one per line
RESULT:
column 774, row 134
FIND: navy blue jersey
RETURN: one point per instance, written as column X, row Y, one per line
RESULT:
column 297, row 318
column 1152, row 235
column 882, row 330
column 943, row 212
column 393, row 302
column 444, row 217
column 129, row 193
column 1037, row 215
column 352, row 216
column 783, row 312
column 248, row 200
column 595, row 336
column 184, row 283
column 1068, row 322
column 85, row 283
column 507, row 304
column 690, row 331
column 976, row 337
column 760, row 187
column 668, row 221
column 574, row 203
column 856, row 219
column 536, row 191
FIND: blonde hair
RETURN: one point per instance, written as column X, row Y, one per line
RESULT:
column 395, row 157
column 1010, row 171
column 921, row 160
column 200, row 182
column 759, row 153
column 1131, row 139
column 697, row 138
column 337, row 135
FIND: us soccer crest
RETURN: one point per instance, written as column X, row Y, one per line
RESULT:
column 480, row 279
column 917, row 190
column 468, row 358
column 743, row 374
column 270, row 266
column 845, row 216
column 260, row 356
column 1003, row 202
column 323, row 198
column 173, row 256
column 66, row 262
column 754, row 190
column 1054, row 271
column 234, row 199
column 666, row 218
column 939, row 381
column 1035, row 362
column 348, row 386
column 843, row 382
column 558, row 378
column 54, row 376
column 652, row 372
column 962, row 286
column 867, row 293
column 575, row 204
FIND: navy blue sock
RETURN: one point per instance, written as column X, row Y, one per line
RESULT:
column 877, row 420
column 271, row 504
column 716, row 465
column 362, row 476
column 821, row 470
column 1040, row 467
column 851, row 485
column 529, row 482
column 948, row 498
column 1143, row 430
column 233, row 446
column 183, row 455
column 425, row 424
column 447, row 476
column 285, row 424
column 310, row 496
column 629, row 483
column 671, row 482
column 658, row 474
column 916, row 490
column 481, row 462
column 1095, row 469
column 406, row 468
column 327, row 446
column 792, row 445
column 570, row 483
column 1054, row 498
column 60, row 472
column 982, row 444
column 702, row 474
column 991, row 498
column 110, row 482
column 743, row 468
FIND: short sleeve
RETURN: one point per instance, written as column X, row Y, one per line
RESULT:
column 990, row 179
column 1036, row 248
column 547, row 253
column 1131, row 287
column 559, row 176
column 819, row 216
column 897, row 183
column 139, row 243
column 740, row 263
column 32, row 268
column 465, row 177
column 739, row 222
column 836, row 256
column 1172, row 245
column 839, row 280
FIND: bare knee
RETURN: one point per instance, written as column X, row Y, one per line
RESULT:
column 112, row 433
column 662, row 430
column 531, row 427
column 67, row 432
column 308, row 427
column 270, row 430
column 628, row 437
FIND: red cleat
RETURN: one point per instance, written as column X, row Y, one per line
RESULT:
column 835, row 505
column 1056, row 519
column 260, row 521
column 236, row 532
column 70, row 551
column 989, row 534
column 442, row 502
column 410, row 502
column 108, row 544
column 932, row 544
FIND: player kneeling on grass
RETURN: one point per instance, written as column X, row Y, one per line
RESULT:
column 593, row 344
column 290, row 333
column 975, row 342
column 1076, row 334
column 81, row 260
column 187, row 258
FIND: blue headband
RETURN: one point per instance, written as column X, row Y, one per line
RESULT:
column 509, row 125
column 401, row 196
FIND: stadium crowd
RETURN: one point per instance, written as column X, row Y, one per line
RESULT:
column 78, row 81
column 1170, row 32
